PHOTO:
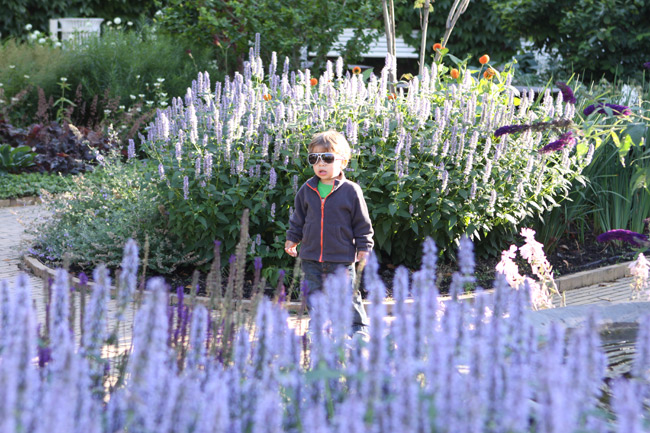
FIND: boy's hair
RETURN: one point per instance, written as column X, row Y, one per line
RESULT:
column 332, row 141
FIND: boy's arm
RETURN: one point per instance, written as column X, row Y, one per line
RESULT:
column 362, row 226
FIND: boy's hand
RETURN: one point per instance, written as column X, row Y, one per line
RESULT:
column 362, row 256
column 290, row 248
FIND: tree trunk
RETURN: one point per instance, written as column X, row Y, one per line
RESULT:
column 424, row 25
column 457, row 9
column 389, row 24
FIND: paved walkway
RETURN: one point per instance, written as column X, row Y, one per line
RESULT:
column 13, row 242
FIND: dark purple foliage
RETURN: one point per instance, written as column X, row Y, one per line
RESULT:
column 567, row 92
column 600, row 108
column 566, row 139
column 633, row 238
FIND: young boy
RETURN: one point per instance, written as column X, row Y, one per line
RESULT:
column 330, row 220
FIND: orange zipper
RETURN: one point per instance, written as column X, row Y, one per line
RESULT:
column 322, row 217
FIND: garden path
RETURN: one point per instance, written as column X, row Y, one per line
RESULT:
column 14, row 222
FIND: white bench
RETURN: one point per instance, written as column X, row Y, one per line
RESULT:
column 377, row 49
column 75, row 29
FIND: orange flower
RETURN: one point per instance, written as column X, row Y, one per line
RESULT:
column 356, row 70
column 392, row 96
column 437, row 46
column 267, row 97
column 489, row 73
column 484, row 59
column 313, row 81
column 455, row 73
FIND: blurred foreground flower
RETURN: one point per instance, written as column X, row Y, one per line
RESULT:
column 646, row 65
column 600, row 108
column 639, row 269
column 634, row 238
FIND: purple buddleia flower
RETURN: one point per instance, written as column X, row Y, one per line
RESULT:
column 510, row 129
column 273, row 178
column 186, row 188
column 633, row 238
column 617, row 110
column 566, row 139
column 567, row 92
column 646, row 65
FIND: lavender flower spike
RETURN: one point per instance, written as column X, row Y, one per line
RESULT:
column 566, row 139
column 567, row 93
column 634, row 238
column 617, row 110
column 646, row 65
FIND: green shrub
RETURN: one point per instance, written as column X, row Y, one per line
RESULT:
column 99, row 212
column 32, row 184
column 615, row 192
column 608, row 37
column 17, row 14
column 427, row 159
column 229, row 27
column 478, row 31
column 13, row 159
column 108, row 77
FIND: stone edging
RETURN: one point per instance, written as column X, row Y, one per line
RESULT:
column 565, row 283
column 22, row 201
column 593, row 276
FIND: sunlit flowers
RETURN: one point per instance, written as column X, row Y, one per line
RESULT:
column 313, row 81
column 455, row 73
column 484, row 59
column 267, row 97
column 356, row 70
column 489, row 73
column 437, row 46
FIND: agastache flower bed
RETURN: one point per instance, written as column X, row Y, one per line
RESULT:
column 425, row 156
column 437, row 366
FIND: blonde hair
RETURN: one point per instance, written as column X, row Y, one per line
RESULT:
column 332, row 141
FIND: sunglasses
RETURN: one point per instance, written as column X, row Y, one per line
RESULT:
column 326, row 157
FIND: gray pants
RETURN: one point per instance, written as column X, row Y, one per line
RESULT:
column 315, row 273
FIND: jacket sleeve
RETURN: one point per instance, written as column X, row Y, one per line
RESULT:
column 297, row 220
column 361, row 224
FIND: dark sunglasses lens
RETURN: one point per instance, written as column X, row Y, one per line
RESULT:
column 312, row 158
column 328, row 158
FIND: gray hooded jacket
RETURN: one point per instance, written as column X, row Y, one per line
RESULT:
column 334, row 228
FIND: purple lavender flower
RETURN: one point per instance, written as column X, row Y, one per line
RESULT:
column 617, row 110
column 567, row 93
column 161, row 171
column 646, row 65
column 273, row 178
column 634, row 238
column 186, row 188
column 131, row 149
column 566, row 139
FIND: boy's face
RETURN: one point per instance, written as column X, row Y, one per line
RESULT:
column 328, row 172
